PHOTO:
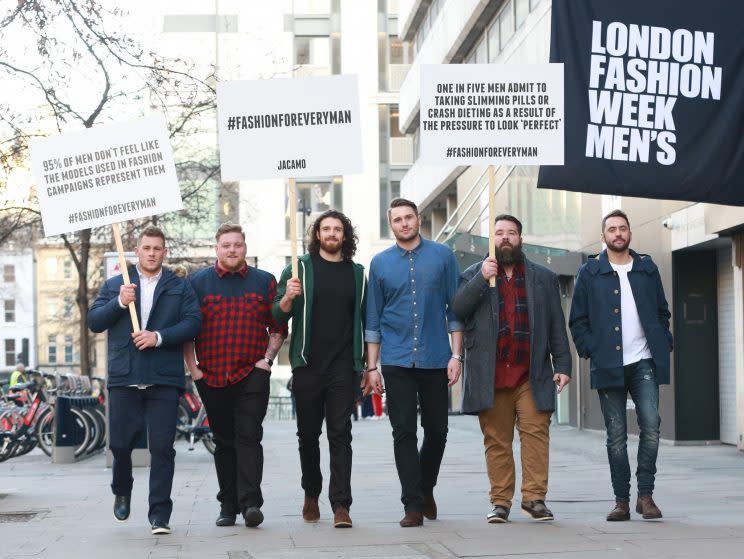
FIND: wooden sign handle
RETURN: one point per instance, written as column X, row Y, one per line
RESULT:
column 125, row 273
column 293, row 225
column 491, row 215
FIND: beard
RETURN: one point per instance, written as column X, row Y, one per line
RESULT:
column 509, row 254
column 618, row 248
column 331, row 247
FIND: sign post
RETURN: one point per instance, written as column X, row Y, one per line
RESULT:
column 492, row 114
column 289, row 128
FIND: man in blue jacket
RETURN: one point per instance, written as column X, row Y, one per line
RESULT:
column 145, row 370
column 620, row 320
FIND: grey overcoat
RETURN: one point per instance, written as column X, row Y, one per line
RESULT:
column 477, row 305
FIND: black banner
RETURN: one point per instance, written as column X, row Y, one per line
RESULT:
column 654, row 98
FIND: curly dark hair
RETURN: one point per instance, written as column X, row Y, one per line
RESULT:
column 349, row 244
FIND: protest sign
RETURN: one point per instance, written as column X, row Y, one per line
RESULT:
column 104, row 175
column 492, row 114
column 654, row 98
column 303, row 127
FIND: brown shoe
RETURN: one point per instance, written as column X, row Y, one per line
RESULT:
column 310, row 509
column 537, row 510
column 620, row 512
column 646, row 507
column 411, row 519
column 430, row 507
column 341, row 518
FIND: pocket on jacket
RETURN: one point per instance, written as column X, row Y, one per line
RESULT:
column 118, row 361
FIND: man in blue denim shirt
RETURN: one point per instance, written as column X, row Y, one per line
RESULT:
column 620, row 319
column 411, row 287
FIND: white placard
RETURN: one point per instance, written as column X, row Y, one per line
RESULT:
column 302, row 127
column 104, row 175
column 492, row 114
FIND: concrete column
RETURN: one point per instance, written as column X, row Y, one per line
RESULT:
column 737, row 257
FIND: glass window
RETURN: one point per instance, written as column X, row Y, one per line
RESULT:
column 494, row 46
column 481, row 52
column 10, row 310
column 67, row 313
column 51, row 268
column 388, row 190
column 313, row 198
column 9, row 273
column 67, row 268
column 52, row 349
column 313, row 51
column 506, row 23
column 10, row 353
column 51, row 309
column 68, row 349
column 534, row 3
column 522, row 10
column 311, row 7
column 401, row 52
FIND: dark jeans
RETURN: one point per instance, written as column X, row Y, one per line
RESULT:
column 236, row 413
column 131, row 412
column 640, row 382
column 329, row 395
column 405, row 388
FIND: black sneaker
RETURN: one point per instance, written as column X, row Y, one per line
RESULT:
column 498, row 515
column 537, row 510
column 226, row 519
column 253, row 516
column 160, row 527
column 121, row 508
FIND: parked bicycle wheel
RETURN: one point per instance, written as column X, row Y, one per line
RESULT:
column 45, row 431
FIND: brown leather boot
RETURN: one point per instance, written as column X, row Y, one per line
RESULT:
column 620, row 512
column 646, row 507
column 341, row 518
column 310, row 509
column 430, row 507
column 411, row 519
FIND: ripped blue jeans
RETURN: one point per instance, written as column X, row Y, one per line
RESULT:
column 640, row 382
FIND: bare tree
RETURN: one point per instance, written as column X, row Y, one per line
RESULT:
column 71, row 64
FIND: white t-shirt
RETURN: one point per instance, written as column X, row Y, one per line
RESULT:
column 635, row 346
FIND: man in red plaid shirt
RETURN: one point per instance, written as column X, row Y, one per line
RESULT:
column 231, row 368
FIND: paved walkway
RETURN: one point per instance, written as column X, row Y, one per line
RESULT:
column 700, row 490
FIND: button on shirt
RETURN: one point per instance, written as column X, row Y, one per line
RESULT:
column 408, row 305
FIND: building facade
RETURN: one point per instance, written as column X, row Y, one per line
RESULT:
column 17, row 307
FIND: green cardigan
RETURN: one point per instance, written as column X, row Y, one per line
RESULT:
column 302, row 312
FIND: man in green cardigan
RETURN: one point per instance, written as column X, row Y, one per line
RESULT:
column 327, row 306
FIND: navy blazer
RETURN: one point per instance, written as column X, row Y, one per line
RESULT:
column 175, row 314
column 596, row 322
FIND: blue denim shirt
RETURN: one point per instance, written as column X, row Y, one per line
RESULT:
column 409, row 305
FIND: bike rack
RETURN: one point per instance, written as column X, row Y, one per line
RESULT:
column 68, row 435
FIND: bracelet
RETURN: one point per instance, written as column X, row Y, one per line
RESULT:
column 458, row 357
column 370, row 370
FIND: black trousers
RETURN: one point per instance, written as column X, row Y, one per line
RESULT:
column 330, row 395
column 132, row 411
column 405, row 389
column 236, row 413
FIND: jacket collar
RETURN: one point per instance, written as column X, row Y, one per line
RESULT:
column 600, row 263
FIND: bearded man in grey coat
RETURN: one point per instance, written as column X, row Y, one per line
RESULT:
column 516, row 357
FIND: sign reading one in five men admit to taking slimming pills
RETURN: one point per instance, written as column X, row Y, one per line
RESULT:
column 492, row 114
column 106, row 174
column 303, row 127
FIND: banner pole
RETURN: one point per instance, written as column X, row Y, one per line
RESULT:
column 125, row 273
column 293, row 225
column 491, row 215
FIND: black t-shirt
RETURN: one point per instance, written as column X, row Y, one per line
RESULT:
column 332, row 333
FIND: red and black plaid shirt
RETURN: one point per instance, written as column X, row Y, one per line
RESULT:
column 513, row 357
column 236, row 321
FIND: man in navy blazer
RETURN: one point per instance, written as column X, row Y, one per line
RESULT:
column 145, row 370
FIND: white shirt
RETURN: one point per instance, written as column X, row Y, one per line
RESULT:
column 635, row 345
column 147, row 293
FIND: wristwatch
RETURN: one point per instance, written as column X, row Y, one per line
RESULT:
column 458, row 357
column 268, row 360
